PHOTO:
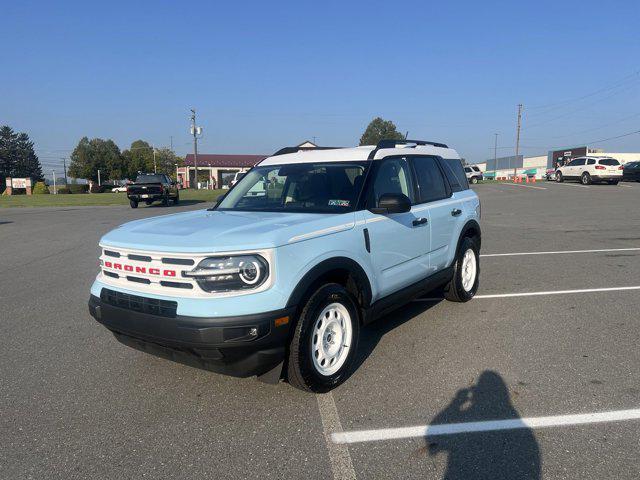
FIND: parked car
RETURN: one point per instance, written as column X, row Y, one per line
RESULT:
column 631, row 172
column 237, row 177
column 120, row 189
column 281, row 282
column 550, row 175
column 591, row 169
column 151, row 187
column 473, row 173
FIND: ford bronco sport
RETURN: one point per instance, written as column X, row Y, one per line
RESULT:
column 278, row 278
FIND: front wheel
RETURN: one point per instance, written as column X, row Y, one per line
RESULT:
column 323, row 348
column 133, row 203
column 559, row 178
column 466, row 273
column 474, row 180
column 165, row 200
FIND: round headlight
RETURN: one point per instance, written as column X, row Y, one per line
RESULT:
column 249, row 272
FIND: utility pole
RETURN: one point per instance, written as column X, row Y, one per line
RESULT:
column 171, row 142
column 64, row 162
column 155, row 168
column 55, row 190
column 99, row 184
column 495, row 152
column 194, row 132
column 515, row 166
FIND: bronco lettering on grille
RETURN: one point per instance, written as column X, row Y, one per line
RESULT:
column 143, row 270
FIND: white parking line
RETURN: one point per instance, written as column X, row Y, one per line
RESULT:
column 486, row 426
column 537, row 294
column 526, row 186
column 556, row 292
column 572, row 185
column 599, row 250
column 339, row 456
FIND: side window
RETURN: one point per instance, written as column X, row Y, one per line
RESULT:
column 467, row 169
column 579, row 162
column 591, row 161
column 393, row 176
column 455, row 174
column 572, row 163
column 431, row 186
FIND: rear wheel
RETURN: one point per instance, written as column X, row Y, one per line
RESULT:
column 323, row 348
column 474, row 179
column 133, row 203
column 586, row 178
column 466, row 269
column 559, row 178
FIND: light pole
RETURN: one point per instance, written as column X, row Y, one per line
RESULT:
column 195, row 131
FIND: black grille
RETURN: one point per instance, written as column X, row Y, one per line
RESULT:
column 152, row 306
column 178, row 261
column 140, row 258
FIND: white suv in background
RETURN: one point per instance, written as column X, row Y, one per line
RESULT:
column 473, row 173
column 591, row 169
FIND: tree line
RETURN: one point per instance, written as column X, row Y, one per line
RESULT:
column 91, row 155
column 17, row 156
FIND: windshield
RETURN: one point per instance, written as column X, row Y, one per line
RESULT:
column 304, row 187
column 149, row 179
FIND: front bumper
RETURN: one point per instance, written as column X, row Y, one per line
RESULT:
column 220, row 344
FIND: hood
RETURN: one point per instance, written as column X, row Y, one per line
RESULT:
column 204, row 231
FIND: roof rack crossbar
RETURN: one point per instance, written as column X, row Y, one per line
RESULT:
column 392, row 143
column 285, row 150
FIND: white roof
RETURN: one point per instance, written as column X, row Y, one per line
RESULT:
column 356, row 154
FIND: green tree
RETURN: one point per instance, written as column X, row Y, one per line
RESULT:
column 93, row 155
column 17, row 157
column 166, row 161
column 138, row 158
column 379, row 129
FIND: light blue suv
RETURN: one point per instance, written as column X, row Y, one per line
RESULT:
column 278, row 278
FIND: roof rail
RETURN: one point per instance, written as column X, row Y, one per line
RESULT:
column 285, row 150
column 391, row 143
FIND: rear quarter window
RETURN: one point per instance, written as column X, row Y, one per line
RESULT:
column 454, row 172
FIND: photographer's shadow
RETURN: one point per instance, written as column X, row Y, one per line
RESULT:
column 508, row 454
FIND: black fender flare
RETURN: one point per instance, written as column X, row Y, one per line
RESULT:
column 470, row 226
column 324, row 269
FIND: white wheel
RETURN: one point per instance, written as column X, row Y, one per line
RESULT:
column 331, row 339
column 469, row 270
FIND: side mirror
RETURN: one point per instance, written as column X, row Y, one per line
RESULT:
column 392, row 203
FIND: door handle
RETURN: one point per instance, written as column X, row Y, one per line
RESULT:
column 455, row 212
column 419, row 221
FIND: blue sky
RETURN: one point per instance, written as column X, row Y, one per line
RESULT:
column 267, row 74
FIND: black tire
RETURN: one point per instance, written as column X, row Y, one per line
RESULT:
column 165, row 200
column 177, row 198
column 585, row 179
column 474, row 180
column 301, row 371
column 613, row 182
column 454, row 290
column 559, row 178
column 133, row 203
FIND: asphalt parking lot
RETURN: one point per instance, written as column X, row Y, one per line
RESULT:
column 74, row 403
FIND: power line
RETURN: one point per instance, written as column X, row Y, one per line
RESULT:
column 571, row 112
column 612, row 86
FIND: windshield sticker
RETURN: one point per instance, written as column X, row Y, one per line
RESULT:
column 339, row 203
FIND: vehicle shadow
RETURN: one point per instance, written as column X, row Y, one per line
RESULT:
column 371, row 334
column 182, row 203
column 492, row 454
